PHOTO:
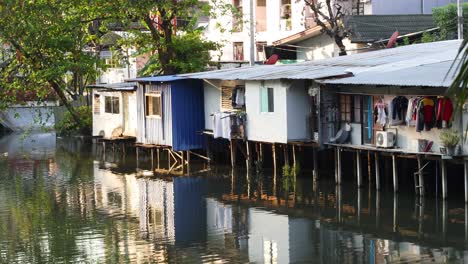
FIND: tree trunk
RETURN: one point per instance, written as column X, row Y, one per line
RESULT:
column 339, row 43
column 64, row 100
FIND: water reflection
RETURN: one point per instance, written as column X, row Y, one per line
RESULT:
column 70, row 207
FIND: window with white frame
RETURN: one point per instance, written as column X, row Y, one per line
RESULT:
column 154, row 105
column 266, row 100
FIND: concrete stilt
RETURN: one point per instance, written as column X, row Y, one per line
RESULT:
column 377, row 171
column 273, row 149
column 421, row 176
column 249, row 155
column 137, row 157
column 466, row 181
column 233, row 153
column 443, row 165
column 286, row 154
column 395, row 173
column 377, row 209
column 338, row 166
column 359, row 169
column 395, row 212
column 315, row 160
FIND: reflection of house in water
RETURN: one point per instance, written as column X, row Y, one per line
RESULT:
column 158, row 205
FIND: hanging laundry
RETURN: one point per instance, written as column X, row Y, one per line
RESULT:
column 226, row 125
column 380, row 113
column 233, row 98
column 399, row 108
column 240, row 97
column 444, row 113
column 409, row 112
column 425, row 117
column 217, row 126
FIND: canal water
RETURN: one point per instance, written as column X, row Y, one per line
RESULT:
column 60, row 202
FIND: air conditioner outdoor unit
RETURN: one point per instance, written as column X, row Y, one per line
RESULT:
column 385, row 139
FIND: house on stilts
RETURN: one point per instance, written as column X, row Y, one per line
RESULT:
column 114, row 112
column 170, row 119
column 389, row 102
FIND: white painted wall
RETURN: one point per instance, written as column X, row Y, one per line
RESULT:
column 322, row 47
column 272, row 33
column 266, row 127
column 131, row 125
column 105, row 124
column 212, row 99
column 298, row 111
column 31, row 116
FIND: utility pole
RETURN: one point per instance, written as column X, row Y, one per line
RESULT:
column 422, row 7
column 252, row 34
column 460, row 19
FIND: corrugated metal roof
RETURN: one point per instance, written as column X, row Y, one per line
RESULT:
column 125, row 86
column 161, row 78
column 434, row 69
column 387, row 60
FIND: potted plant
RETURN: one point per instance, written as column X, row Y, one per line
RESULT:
column 450, row 140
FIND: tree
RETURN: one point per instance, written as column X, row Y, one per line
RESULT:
column 329, row 16
column 48, row 40
column 170, row 33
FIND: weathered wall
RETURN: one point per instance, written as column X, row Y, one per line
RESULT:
column 130, row 114
column 322, row 47
column 105, row 124
column 28, row 117
column 153, row 130
column 266, row 127
column 212, row 98
column 298, row 111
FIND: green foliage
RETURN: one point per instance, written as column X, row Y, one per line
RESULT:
column 191, row 54
column 46, row 40
column 428, row 37
column 449, row 138
column 289, row 177
column 445, row 18
column 68, row 126
column 175, row 47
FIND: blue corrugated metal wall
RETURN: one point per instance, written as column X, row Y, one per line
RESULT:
column 188, row 117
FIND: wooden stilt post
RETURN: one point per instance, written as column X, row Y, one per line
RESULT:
column 369, row 168
column 444, row 178
column 261, row 151
column 249, row 155
column 104, row 150
column 188, row 162
column 444, row 219
column 152, row 159
column 294, row 156
column 233, row 153
column 338, row 165
column 158, row 159
column 466, row 180
column 395, row 173
column 358, row 169
column 421, row 176
column 137, row 157
column 169, row 159
column 315, row 158
column 208, row 150
column 359, row 207
column 273, row 149
column 339, row 201
column 377, row 171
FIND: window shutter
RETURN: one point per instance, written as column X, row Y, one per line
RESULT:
column 226, row 98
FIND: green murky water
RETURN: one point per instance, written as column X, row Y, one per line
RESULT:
column 60, row 202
